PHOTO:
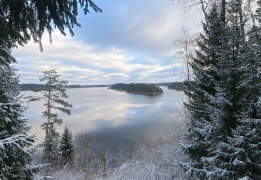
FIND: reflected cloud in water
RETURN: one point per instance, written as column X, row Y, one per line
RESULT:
column 117, row 113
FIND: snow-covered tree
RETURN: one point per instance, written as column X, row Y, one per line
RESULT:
column 51, row 147
column 54, row 95
column 66, row 146
column 224, row 99
column 15, row 154
column 201, row 92
column 126, row 150
column 102, row 152
column 84, row 155
column 243, row 147
column 237, row 155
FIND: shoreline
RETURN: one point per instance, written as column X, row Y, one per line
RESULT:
column 143, row 93
column 177, row 89
column 137, row 92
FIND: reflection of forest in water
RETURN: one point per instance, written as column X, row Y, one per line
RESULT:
column 117, row 113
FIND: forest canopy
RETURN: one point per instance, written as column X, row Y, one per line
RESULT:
column 138, row 88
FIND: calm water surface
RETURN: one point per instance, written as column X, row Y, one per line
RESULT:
column 117, row 113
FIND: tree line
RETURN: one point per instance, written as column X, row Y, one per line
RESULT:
column 138, row 88
column 180, row 86
column 28, row 86
column 92, row 156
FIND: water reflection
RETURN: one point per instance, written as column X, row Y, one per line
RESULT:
column 117, row 113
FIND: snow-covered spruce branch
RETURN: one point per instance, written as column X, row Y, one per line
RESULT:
column 17, row 140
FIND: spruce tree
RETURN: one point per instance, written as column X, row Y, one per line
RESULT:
column 22, row 20
column 50, row 147
column 15, row 155
column 54, row 95
column 224, row 131
column 66, row 146
column 229, row 89
column 244, row 145
column 202, row 91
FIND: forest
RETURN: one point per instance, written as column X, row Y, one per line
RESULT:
column 220, row 133
column 179, row 86
column 140, row 88
column 28, row 87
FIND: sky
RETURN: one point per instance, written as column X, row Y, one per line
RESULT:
column 130, row 42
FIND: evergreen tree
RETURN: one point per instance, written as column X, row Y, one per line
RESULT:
column 202, row 91
column 54, row 95
column 219, row 95
column 66, row 146
column 14, row 141
column 237, row 155
column 223, row 100
column 50, row 147
column 22, row 20
column 243, row 148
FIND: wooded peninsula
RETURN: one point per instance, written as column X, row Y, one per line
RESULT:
column 178, row 86
column 138, row 88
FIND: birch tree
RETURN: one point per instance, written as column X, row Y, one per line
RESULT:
column 84, row 155
column 185, row 46
column 103, row 153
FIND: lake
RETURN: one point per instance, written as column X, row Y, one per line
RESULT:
column 116, row 113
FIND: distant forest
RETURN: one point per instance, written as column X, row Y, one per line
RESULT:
column 28, row 87
column 179, row 86
column 141, row 88
column 148, row 88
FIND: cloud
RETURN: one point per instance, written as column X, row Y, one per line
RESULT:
column 138, row 24
column 128, row 42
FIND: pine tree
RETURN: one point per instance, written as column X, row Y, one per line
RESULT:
column 54, row 95
column 14, row 141
column 66, row 146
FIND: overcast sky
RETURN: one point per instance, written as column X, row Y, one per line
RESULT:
column 131, row 41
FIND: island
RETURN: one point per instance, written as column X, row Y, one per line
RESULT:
column 138, row 88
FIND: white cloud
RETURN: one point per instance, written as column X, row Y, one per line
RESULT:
column 129, row 42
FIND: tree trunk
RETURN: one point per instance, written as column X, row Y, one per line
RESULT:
column 223, row 12
column 187, row 60
column 48, row 111
column 242, row 26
